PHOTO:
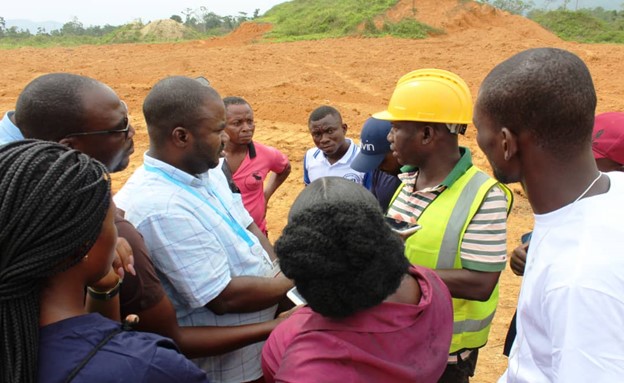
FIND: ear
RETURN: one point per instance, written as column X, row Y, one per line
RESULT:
column 509, row 143
column 345, row 127
column 67, row 142
column 71, row 142
column 428, row 133
column 181, row 136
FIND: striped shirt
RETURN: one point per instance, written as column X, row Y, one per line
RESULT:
column 484, row 246
column 196, row 252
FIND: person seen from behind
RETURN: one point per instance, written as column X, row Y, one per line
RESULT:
column 371, row 317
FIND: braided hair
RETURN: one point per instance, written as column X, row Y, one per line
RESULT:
column 53, row 201
column 338, row 249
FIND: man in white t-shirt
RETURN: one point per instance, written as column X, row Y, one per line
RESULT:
column 333, row 153
column 535, row 126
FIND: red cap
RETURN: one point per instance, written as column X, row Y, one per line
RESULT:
column 608, row 137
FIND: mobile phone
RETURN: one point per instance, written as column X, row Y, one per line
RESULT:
column 526, row 237
column 402, row 227
column 295, row 297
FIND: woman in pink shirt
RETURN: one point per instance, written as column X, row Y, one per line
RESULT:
column 370, row 315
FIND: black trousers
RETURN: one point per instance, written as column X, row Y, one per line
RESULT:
column 462, row 371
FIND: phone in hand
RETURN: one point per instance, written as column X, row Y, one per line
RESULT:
column 402, row 227
column 295, row 297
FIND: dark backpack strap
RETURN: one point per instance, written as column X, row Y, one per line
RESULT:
column 228, row 175
column 127, row 325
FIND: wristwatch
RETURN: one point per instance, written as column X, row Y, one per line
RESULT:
column 105, row 295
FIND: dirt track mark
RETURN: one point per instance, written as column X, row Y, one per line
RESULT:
column 327, row 70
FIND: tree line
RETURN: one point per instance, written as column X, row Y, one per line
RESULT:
column 201, row 20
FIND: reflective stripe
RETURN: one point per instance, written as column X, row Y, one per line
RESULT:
column 472, row 325
column 452, row 234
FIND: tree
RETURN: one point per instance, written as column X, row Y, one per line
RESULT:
column 73, row 27
column 176, row 18
column 256, row 13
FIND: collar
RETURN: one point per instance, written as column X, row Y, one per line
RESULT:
column 177, row 174
column 464, row 163
column 346, row 158
column 9, row 127
column 251, row 150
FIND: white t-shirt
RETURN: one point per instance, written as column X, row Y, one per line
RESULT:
column 571, row 307
column 315, row 165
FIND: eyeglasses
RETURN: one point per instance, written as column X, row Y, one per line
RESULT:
column 126, row 130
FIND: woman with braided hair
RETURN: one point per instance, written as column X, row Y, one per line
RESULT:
column 371, row 317
column 57, row 235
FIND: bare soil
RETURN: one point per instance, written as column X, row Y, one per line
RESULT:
column 284, row 82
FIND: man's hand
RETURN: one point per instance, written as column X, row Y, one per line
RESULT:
column 517, row 259
column 122, row 263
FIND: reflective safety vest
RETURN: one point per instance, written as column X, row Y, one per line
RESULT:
column 437, row 246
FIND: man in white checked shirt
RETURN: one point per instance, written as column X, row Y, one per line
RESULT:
column 213, row 261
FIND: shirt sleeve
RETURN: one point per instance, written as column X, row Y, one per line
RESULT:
column 302, row 362
column 484, row 246
column 306, row 178
column 279, row 161
column 189, row 255
column 585, row 323
column 168, row 365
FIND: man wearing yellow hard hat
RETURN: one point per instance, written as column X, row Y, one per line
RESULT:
column 462, row 210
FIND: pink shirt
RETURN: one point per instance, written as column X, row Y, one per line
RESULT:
column 391, row 342
column 250, row 178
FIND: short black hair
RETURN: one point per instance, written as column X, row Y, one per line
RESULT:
column 338, row 249
column 235, row 100
column 546, row 91
column 51, row 106
column 323, row 111
column 172, row 102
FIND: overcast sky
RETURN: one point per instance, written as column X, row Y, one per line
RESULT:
column 118, row 12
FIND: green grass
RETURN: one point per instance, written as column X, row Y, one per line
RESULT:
column 318, row 19
column 46, row 41
column 581, row 26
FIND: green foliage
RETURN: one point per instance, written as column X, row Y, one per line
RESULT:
column 312, row 19
column 411, row 29
column 586, row 25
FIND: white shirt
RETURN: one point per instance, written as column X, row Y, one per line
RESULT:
column 571, row 307
column 315, row 165
column 8, row 131
column 196, row 252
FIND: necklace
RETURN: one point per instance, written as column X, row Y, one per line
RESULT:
column 589, row 187
column 521, row 338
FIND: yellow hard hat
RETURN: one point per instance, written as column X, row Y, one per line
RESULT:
column 430, row 95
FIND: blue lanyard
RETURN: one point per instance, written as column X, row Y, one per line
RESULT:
column 229, row 219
